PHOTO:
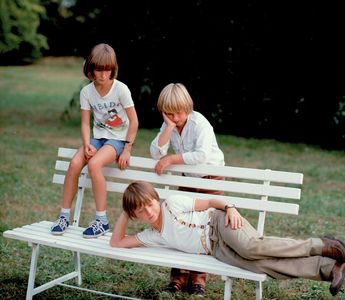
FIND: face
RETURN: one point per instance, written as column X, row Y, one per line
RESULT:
column 149, row 214
column 101, row 77
column 179, row 118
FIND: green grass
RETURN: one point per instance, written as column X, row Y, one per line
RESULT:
column 32, row 99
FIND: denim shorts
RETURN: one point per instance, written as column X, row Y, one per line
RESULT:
column 117, row 145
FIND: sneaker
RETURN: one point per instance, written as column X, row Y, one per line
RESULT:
column 173, row 287
column 95, row 229
column 198, row 290
column 59, row 227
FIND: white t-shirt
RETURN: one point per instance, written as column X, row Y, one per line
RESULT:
column 182, row 228
column 197, row 142
column 110, row 120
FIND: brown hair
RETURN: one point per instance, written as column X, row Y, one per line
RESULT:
column 101, row 58
column 174, row 98
column 138, row 194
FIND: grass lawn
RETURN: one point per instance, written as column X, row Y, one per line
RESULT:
column 32, row 99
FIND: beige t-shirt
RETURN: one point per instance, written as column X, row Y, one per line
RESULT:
column 182, row 228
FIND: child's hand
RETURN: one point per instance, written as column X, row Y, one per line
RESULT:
column 89, row 151
column 168, row 121
column 162, row 164
column 233, row 218
column 123, row 161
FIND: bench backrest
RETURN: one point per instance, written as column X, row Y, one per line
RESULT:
column 248, row 188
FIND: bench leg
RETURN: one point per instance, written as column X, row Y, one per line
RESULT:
column 227, row 287
column 32, row 275
column 258, row 290
column 77, row 267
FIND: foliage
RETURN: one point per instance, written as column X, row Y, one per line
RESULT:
column 254, row 69
column 19, row 37
column 250, row 70
column 71, row 113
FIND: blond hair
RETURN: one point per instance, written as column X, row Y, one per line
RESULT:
column 101, row 58
column 175, row 98
column 138, row 194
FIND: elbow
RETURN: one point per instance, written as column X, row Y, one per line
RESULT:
column 202, row 158
column 155, row 153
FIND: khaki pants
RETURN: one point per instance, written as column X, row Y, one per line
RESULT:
column 280, row 258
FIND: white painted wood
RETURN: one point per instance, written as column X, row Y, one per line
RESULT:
column 33, row 269
column 259, row 190
column 246, row 203
column 258, row 290
column 236, row 172
column 39, row 233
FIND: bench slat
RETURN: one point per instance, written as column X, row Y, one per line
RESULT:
column 226, row 171
column 193, row 182
column 240, row 202
column 40, row 233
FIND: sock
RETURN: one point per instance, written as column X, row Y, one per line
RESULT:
column 65, row 212
column 102, row 216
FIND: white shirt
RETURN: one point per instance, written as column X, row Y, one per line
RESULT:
column 197, row 142
column 182, row 228
column 110, row 119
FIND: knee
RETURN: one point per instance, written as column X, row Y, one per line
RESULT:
column 93, row 166
column 75, row 166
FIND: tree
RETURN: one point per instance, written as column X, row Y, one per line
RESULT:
column 19, row 37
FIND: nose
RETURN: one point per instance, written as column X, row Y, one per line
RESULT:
column 175, row 117
column 148, row 211
column 103, row 74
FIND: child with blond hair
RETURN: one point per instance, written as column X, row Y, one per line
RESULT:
column 194, row 142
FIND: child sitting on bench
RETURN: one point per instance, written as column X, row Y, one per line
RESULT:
column 216, row 228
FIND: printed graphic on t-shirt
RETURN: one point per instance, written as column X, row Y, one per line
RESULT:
column 112, row 121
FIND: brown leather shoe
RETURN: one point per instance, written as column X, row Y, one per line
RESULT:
column 337, row 278
column 333, row 248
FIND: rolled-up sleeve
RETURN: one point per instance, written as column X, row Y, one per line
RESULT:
column 156, row 151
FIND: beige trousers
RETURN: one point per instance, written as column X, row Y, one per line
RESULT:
column 280, row 258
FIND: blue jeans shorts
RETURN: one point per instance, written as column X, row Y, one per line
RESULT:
column 117, row 145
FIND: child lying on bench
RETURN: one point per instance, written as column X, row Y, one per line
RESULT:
column 214, row 228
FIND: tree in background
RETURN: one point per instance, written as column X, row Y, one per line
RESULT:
column 19, row 38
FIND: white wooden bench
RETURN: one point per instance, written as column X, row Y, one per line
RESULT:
column 254, row 189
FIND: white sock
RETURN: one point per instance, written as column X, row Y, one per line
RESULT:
column 65, row 212
column 102, row 216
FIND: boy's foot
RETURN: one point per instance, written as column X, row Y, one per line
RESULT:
column 333, row 248
column 197, row 290
column 173, row 287
column 59, row 227
column 337, row 278
column 95, row 229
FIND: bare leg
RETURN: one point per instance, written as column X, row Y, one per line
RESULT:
column 71, row 179
column 104, row 156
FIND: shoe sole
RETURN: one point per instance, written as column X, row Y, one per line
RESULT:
column 57, row 233
column 335, row 290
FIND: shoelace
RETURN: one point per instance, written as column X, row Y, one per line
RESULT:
column 96, row 225
column 61, row 222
